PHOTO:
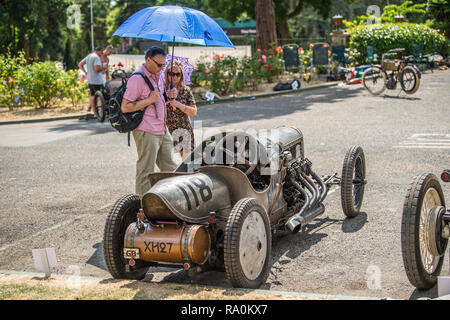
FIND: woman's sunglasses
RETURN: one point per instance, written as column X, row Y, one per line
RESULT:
column 175, row 74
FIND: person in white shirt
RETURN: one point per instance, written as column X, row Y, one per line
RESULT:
column 94, row 71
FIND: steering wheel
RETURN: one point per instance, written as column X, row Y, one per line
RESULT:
column 244, row 150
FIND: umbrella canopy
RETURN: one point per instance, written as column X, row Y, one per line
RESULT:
column 174, row 24
column 187, row 67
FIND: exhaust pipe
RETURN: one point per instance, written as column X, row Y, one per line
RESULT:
column 304, row 193
column 295, row 223
column 312, row 187
column 322, row 185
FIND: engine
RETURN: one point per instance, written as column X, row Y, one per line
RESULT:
column 303, row 190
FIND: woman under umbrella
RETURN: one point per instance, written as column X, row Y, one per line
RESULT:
column 179, row 110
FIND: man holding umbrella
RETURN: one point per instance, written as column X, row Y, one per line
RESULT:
column 154, row 143
column 164, row 24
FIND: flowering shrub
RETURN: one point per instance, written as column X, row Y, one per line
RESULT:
column 384, row 37
column 38, row 83
column 73, row 88
column 42, row 83
column 305, row 57
column 228, row 74
column 10, row 92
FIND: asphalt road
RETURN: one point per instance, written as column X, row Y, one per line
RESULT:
column 59, row 180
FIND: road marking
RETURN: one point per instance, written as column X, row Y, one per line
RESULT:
column 39, row 233
column 62, row 224
column 426, row 141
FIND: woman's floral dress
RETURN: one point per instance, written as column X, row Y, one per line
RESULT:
column 179, row 120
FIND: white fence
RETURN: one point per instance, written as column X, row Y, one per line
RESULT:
column 195, row 54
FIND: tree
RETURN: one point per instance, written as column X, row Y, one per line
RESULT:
column 439, row 10
column 266, row 35
column 231, row 10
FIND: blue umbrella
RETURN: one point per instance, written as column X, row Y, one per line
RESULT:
column 174, row 24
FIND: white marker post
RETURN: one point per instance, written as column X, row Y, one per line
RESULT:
column 45, row 260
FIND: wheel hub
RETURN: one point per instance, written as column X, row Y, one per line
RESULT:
column 253, row 245
column 436, row 244
column 429, row 260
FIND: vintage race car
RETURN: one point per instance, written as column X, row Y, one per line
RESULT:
column 220, row 207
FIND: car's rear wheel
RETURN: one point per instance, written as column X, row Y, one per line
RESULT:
column 247, row 244
column 120, row 217
column 422, row 246
column 353, row 181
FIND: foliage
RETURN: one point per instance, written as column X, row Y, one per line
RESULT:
column 439, row 10
column 228, row 74
column 384, row 37
column 413, row 13
column 235, row 9
column 42, row 83
column 72, row 87
column 10, row 92
column 305, row 57
column 38, row 83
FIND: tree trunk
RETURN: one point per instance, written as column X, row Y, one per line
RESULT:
column 284, row 36
column 266, row 34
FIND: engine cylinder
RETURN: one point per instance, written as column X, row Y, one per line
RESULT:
column 169, row 243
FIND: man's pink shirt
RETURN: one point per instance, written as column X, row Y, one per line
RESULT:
column 154, row 120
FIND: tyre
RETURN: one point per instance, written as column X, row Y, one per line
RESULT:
column 374, row 80
column 423, row 197
column 353, row 181
column 99, row 106
column 409, row 80
column 120, row 217
column 247, row 244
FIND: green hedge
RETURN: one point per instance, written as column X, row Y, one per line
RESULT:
column 384, row 37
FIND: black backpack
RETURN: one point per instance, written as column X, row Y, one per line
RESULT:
column 125, row 122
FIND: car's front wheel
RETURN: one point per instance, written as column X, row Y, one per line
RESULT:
column 353, row 181
column 247, row 244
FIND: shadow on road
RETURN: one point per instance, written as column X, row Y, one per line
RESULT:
column 422, row 294
column 266, row 108
column 97, row 259
column 92, row 126
column 350, row 225
column 403, row 97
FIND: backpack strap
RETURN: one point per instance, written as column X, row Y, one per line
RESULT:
column 150, row 84
column 147, row 81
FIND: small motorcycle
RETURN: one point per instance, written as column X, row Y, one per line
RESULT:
column 425, row 229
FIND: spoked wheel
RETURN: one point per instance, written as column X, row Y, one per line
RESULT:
column 422, row 245
column 247, row 244
column 120, row 217
column 353, row 181
column 374, row 80
column 409, row 80
column 99, row 106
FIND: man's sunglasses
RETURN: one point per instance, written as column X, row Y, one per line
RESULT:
column 160, row 65
column 175, row 74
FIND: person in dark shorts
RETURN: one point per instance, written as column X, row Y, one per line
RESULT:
column 94, row 71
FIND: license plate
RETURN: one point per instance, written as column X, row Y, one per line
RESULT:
column 129, row 253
